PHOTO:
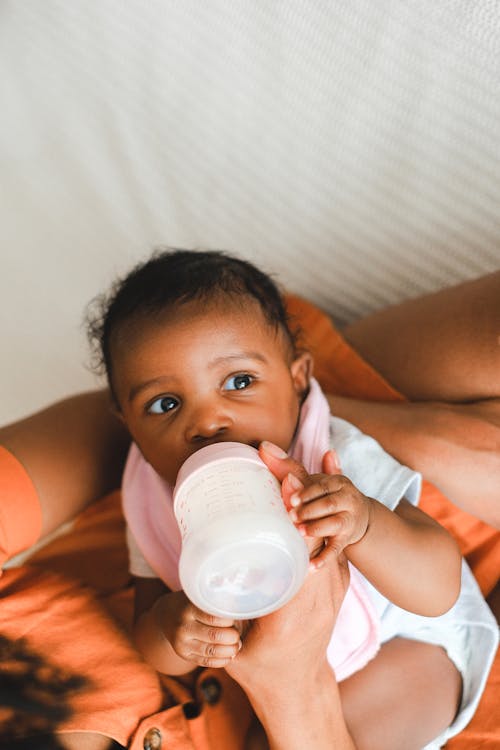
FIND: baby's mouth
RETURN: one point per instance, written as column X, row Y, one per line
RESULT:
column 211, row 441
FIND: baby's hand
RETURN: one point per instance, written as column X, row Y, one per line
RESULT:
column 198, row 637
column 326, row 507
column 329, row 506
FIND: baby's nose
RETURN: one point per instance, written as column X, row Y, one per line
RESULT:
column 208, row 422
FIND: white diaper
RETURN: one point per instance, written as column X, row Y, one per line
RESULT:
column 469, row 634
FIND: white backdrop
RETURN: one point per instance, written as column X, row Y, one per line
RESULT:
column 352, row 147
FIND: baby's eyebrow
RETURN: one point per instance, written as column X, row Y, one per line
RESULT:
column 136, row 389
column 237, row 355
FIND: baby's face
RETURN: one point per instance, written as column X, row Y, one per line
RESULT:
column 207, row 375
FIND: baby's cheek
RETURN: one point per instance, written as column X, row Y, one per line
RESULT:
column 164, row 463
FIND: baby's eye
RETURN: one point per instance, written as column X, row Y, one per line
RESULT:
column 162, row 405
column 238, row 382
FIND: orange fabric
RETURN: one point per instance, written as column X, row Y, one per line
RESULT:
column 20, row 512
column 52, row 607
column 478, row 542
column 55, row 619
column 49, row 611
column 221, row 725
column 337, row 366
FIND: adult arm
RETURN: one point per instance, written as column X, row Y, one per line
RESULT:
column 282, row 667
column 454, row 446
column 73, row 451
column 442, row 351
column 443, row 346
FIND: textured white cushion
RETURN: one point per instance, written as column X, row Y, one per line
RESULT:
column 351, row 147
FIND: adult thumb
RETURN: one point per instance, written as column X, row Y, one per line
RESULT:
column 330, row 463
column 279, row 462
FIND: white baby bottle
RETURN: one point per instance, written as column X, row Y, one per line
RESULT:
column 241, row 555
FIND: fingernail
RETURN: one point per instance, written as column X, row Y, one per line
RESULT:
column 293, row 515
column 333, row 455
column 273, row 450
column 294, row 483
column 294, row 500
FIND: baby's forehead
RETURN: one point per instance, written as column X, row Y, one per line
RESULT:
column 240, row 311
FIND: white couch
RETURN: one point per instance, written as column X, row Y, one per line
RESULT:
column 353, row 147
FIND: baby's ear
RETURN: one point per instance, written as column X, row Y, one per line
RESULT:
column 301, row 369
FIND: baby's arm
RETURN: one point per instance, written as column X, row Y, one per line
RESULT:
column 404, row 553
column 174, row 636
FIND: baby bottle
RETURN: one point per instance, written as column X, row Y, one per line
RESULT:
column 241, row 555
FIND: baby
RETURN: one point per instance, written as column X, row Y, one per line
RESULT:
column 198, row 349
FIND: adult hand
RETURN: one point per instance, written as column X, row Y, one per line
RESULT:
column 289, row 640
column 282, row 665
column 284, row 645
column 283, row 669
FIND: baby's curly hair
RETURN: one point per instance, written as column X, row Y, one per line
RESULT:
column 173, row 277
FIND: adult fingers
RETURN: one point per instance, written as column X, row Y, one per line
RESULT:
column 280, row 463
column 339, row 528
column 331, row 463
column 328, row 552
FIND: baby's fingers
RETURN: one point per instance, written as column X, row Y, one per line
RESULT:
column 210, row 646
column 319, row 499
column 338, row 525
column 213, row 635
column 330, row 488
column 214, row 621
column 213, row 655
